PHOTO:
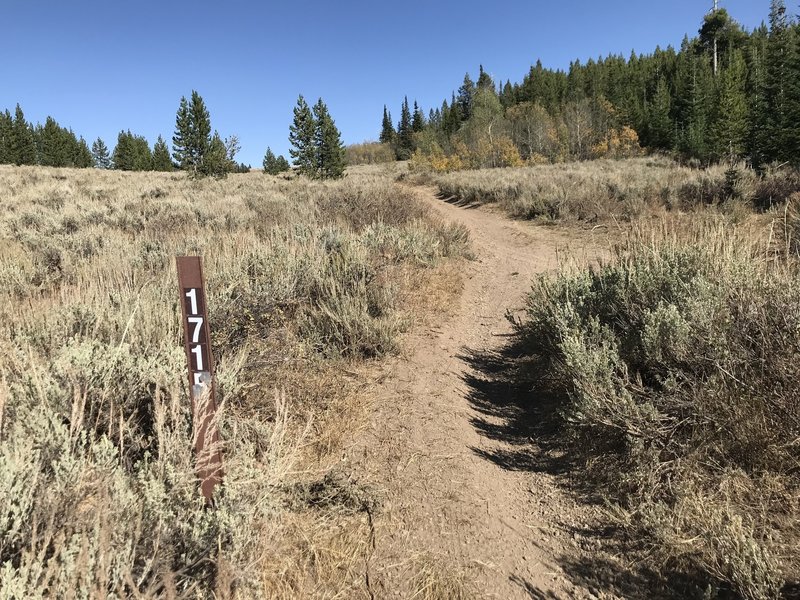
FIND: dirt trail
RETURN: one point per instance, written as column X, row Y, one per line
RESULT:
column 457, row 496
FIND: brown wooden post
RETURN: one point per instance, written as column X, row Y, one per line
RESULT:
column 197, row 340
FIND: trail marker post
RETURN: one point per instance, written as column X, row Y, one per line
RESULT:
column 197, row 340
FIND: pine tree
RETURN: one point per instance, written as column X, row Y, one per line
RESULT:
column 404, row 142
column 451, row 117
column 23, row 145
column 54, row 145
column 192, row 139
column 273, row 165
column 100, row 154
column 301, row 137
column 216, row 161
column 82, row 156
column 792, row 133
column 387, row 129
column 181, row 140
column 161, row 157
column 484, row 80
column 780, row 47
column 269, row 162
column 6, row 128
column 465, row 95
column 757, row 96
column 692, row 101
column 328, row 144
column 730, row 124
column 132, row 153
column 418, row 119
column 660, row 131
column 507, row 95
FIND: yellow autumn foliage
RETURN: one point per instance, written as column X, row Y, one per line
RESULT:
column 619, row 143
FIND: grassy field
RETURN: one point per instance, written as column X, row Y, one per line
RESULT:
column 672, row 368
column 306, row 282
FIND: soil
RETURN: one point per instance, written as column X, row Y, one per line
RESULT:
column 468, row 502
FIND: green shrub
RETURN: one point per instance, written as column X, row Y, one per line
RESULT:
column 679, row 362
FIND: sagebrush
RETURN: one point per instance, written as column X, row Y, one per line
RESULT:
column 676, row 362
column 96, row 467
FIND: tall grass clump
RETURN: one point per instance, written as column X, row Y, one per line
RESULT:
column 97, row 486
column 677, row 365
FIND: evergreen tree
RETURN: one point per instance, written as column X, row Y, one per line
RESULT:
column 161, row 158
column 217, row 159
column 756, row 93
column 328, row 144
column 484, row 80
column 181, row 139
column 660, row 130
column 780, row 48
column 465, row 95
column 387, row 129
column 507, row 95
column 6, row 128
column 270, row 162
column 23, row 145
column 418, row 119
column 792, row 133
column 51, row 149
column 82, row 156
column 132, row 153
column 192, row 139
column 100, row 154
column 692, row 101
column 730, row 124
column 273, row 165
column 404, row 142
column 301, row 137
column 451, row 117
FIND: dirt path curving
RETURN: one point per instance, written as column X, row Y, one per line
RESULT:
column 463, row 497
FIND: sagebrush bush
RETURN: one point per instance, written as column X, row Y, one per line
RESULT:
column 97, row 479
column 615, row 189
column 679, row 364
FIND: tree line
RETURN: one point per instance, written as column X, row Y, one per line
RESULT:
column 726, row 94
column 317, row 148
column 195, row 148
column 22, row 143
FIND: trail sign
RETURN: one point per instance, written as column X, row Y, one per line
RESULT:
column 197, row 340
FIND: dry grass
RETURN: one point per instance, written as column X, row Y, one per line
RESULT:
column 306, row 280
column 614, row 189
column 434, row 578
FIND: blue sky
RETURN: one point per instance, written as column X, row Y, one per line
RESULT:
column 99, row 67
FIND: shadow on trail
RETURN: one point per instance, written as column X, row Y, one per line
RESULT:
column 517, row 403
column 506, row 389
column 458, row 201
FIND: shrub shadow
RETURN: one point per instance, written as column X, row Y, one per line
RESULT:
column 458, row 201
column 517, row 403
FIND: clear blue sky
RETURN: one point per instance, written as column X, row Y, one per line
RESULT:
column 99, row 67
